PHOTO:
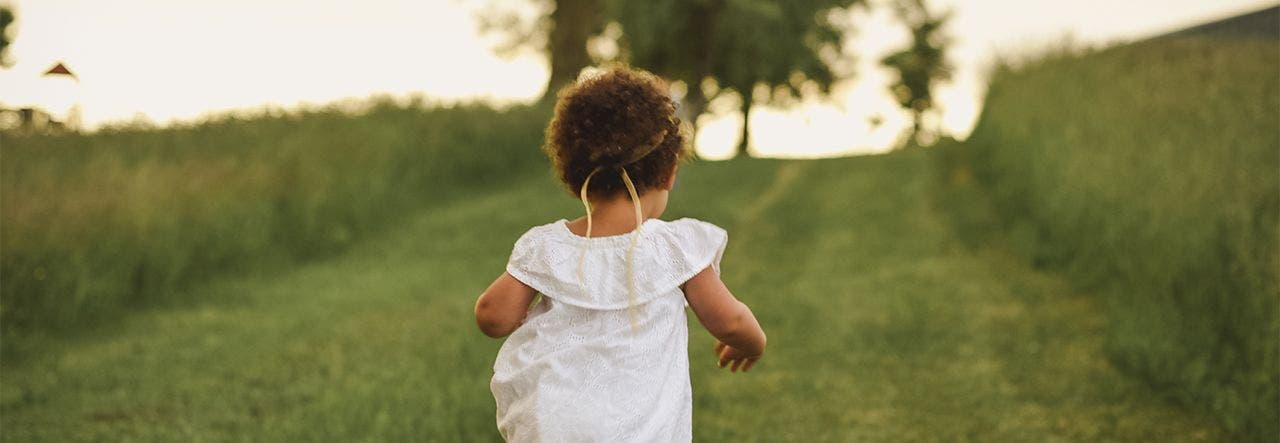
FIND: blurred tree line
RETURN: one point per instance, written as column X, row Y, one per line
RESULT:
column 765, row 52
column 6, row 20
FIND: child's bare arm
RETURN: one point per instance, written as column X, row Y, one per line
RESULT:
column 726, row 318
column 502, row 307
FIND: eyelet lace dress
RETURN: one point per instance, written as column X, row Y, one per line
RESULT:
column 597, row 359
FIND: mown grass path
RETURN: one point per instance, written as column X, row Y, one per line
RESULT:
column 882, row 327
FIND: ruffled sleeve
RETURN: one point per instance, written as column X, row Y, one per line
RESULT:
column 694, row 245
column 533, row 263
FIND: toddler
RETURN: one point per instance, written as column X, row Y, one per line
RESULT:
column 603, row 354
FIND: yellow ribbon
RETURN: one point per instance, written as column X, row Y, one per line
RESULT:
column 631, row 251
column 582, row 258
column 635, row 237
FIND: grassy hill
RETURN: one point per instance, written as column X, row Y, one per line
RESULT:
column 1150, row 175
column 882, row 327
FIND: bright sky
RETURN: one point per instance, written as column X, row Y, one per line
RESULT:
column 181, row 59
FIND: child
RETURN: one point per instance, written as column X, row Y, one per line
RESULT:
column 603, row 355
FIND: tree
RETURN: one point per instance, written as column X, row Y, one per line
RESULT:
column 671, row 38
column 921, row 64
column 6, row 20
column 559, row 28
column 573, row 22
column 748, row 47
column 712, row 46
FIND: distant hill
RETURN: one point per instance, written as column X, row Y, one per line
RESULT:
column 1262, row 24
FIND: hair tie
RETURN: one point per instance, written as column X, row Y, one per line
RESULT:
column 646, row 150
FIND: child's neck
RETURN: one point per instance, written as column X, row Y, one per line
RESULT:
column 614, row 216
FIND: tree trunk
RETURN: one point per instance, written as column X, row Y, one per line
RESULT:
column 748, row 98
column 695, row 104
column 915, row 127
column 572, row 23
column 698, row 32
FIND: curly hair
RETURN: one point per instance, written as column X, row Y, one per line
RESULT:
column 620, row 117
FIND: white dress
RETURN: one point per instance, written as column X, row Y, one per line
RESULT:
column 577, row 369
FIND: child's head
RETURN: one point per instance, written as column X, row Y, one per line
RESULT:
column 617, row 118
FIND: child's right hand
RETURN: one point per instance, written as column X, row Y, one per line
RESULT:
column 736, row 359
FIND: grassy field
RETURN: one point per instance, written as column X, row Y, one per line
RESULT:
column 96, row 224
column 882, row 326
column 1149, row 174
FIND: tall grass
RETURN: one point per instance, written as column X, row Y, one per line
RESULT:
column 1150, row 174
column 126, row 216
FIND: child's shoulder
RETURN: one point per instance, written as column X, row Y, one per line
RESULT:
column 691, row 223
column 693, row 229
column 544, row 229
column 693, row 245
column 540, row 233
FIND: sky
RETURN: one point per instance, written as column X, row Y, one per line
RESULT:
column 179, row 60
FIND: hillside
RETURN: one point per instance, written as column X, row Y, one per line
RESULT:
column 1149, row 174
column 1260, row 24
column 882, row 327
column 95, row 225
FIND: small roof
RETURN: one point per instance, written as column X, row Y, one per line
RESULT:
column 60, row 69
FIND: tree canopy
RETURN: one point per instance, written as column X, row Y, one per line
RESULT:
column 559, row 28
column 749, row 47
column 922, row 63
column 6, row 21
column 764, row 51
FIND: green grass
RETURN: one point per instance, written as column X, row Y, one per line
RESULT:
column 1150, row 175
column 882, row 326
column 96, row 224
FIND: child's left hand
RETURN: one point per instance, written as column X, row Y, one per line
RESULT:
column 734, row 358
